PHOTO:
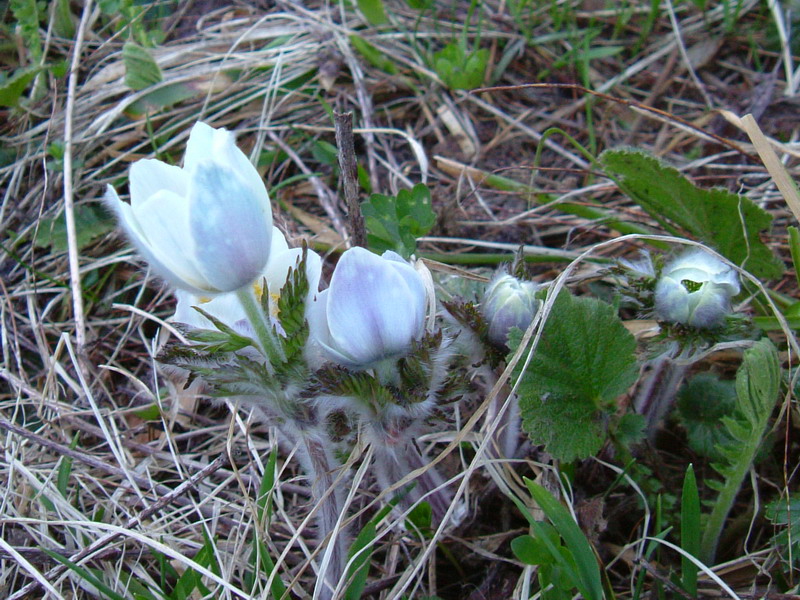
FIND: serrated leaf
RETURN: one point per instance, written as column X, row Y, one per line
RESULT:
column 585, row 352
column 141, row 70
column 728, row 222
column 757, row 385
column 584, row 360
column 568, row 427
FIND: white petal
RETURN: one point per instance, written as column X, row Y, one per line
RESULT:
column 278, row 243
column 150, row 176
column 226, row 153
column 165, row 240
column 231, row 227
column 225, row 307
column 200, row 146
column 372, row 310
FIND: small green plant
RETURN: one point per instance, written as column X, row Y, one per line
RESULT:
column 460, row 68
column 584, row 361
column 757, row 384
column 396, row 222
column 565, row 557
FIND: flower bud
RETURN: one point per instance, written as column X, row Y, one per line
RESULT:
column 206, row 227
column 696, row 289
column 374, row 309
column 509, row 302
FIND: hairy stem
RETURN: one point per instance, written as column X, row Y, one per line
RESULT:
column 396, row 456
column 327, row 493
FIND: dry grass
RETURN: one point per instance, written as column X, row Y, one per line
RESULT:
column 88, row 474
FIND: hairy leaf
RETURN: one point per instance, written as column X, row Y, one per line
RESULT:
column 584, row 360
column 757, row 384
column 585, row 352
column 728, row 222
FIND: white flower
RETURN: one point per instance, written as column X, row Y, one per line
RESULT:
column 374, row 309
column 508, row 303
column 206, row 227
column 696, row 289
column 228, row 308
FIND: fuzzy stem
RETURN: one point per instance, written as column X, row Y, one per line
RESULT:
column 654, row 399
column 321, row 468
column 395, row 457
column 505, row 442
column 261, row 325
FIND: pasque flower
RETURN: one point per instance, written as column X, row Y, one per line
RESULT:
column 228, row 308
column 206, row 227
column 508, row 302
column 374, row 309
column 696, row 289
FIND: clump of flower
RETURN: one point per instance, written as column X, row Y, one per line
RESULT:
column 373, row 310
column 695, row 289
column 206, row 228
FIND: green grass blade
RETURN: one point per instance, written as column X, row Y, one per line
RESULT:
column 690, row 530
column 84, row 574
column 590, row 582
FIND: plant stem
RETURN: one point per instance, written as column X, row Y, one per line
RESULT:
column 261, row 325
column 396, row 456
column 327, row 493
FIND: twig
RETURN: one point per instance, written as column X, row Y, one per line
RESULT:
column 349, row 170
column 326, row 198
column 69, row 206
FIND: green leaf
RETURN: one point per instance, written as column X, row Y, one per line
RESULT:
column 395, row 222
column 757, row 385
column 361, row 549
column 567, row 426
column 702, row 403
column 63, row 21
column 264, row 514
column 90, row 576
column 374, row 56
column 12, row 88
column 785, row 515
column 794, row 248
column 373, row 11
column 585, row 352
column 584, row 361
column 690, row 531
column 458, row 69
column 533, row 550
column 91, row 223
column 587, row 579
column 729, row 223
column 141, row 70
